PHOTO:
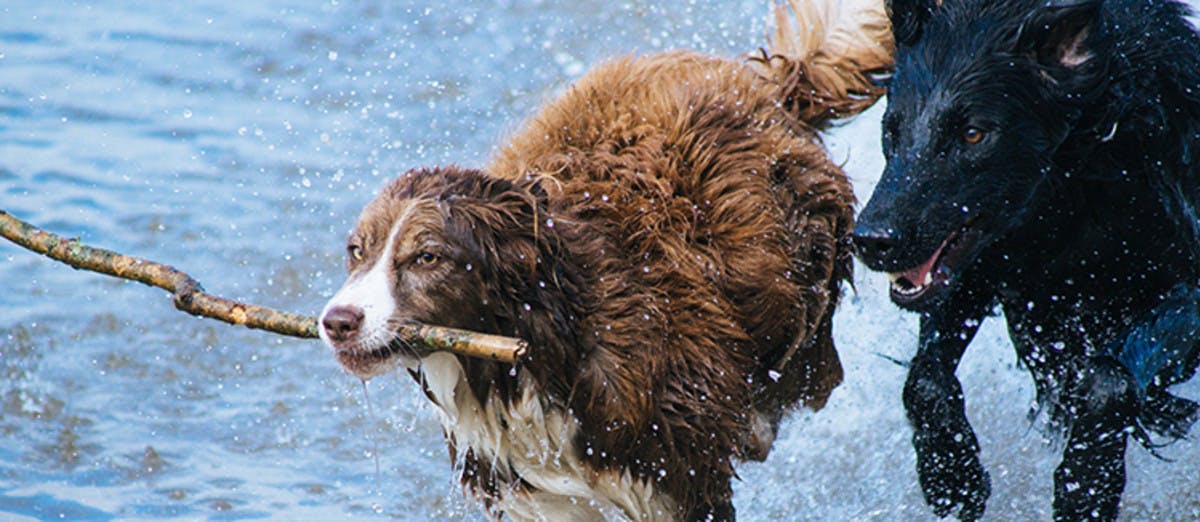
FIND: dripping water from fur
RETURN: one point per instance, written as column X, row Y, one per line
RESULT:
column 371, row 420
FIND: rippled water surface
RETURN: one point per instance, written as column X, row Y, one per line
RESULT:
column 237, row 141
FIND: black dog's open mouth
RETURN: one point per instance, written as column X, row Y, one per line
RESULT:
column 937, row 273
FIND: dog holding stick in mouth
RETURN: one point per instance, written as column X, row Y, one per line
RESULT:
column 668, row 237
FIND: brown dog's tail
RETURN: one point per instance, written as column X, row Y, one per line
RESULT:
column 827, row 57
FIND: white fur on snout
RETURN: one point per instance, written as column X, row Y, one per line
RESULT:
column 370, row 290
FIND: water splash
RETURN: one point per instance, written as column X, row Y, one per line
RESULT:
column 367, row 431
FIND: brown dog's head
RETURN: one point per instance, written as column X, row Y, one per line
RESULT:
column 422, row 251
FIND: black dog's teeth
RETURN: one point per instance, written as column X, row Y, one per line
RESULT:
column 903, row 286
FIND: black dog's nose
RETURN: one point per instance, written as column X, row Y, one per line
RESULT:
column 874, row 244
column 342, row 322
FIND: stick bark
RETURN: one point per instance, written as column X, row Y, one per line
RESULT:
column 190, row 297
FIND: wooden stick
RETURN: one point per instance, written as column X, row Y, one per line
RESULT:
column 190, row 297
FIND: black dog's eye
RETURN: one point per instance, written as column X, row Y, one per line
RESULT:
column 972, row 135
column 427, row 258
column 355, row 252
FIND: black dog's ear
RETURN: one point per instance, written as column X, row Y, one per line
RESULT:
column 908, row 16
column 1057, row 33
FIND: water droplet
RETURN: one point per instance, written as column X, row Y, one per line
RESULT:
column 774, row 375
column 470, row 267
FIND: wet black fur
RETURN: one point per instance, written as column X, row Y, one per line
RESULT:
column 1076, row 214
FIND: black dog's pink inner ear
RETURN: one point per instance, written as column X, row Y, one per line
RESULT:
column 1066, row 46
column 1058, row 35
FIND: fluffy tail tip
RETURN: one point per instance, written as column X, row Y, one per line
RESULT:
column 829, row 56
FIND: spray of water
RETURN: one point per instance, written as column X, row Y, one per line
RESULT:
column 372, row 420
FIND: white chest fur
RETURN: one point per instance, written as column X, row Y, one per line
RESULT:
column 536, row 439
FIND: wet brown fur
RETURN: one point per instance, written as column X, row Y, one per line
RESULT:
column 661, row 234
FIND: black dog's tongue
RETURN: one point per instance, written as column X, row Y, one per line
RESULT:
column 922, row 275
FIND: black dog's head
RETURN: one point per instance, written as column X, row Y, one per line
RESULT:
column 982, row 96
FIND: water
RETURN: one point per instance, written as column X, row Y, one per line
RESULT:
column 237, row 141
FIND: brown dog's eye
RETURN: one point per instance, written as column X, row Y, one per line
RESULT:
column 973, row 135
column 426, row 258
column 355, row 252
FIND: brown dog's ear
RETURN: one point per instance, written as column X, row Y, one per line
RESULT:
column 908, row 16
column 1057, row 34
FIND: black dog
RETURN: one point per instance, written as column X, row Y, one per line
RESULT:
column 1044, row 156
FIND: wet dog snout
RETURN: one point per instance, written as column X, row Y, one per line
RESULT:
column 874, row 243
column 342, row 323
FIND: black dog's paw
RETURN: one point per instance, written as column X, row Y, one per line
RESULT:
column 952, row 478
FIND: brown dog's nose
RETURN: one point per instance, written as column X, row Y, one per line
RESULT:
column 342, row 322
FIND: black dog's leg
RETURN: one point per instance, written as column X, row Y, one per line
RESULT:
column 1161, row 348
column 1115, row 393
column 1089, row 481
column 1164, row 349
column 948, row 466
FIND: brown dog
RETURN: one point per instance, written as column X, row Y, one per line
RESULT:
column 668, row 236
